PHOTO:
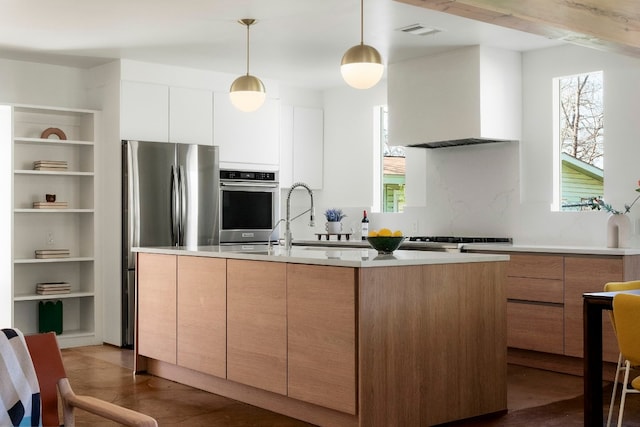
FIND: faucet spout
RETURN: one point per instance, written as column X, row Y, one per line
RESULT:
column 288, row 238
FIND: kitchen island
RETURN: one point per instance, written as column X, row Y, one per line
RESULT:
column 334, row 337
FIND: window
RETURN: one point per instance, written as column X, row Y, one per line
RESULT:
column 579, row 135
column 391, row 172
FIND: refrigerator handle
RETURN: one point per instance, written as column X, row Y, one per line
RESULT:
column 133, row 202
column 182, row 206
column 174, row 211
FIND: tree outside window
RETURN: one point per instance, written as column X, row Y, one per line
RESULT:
column 581, row 136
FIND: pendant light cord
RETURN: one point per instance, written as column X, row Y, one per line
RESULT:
column 248, row 25
column 361, row 22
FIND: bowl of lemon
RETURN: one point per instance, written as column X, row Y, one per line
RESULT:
column 384, row 240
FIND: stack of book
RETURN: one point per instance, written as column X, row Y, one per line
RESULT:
column 50, row 205
column 52, row 253
column 50, row 165
column 48, row 288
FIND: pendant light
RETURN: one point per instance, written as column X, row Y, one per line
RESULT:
column 247, row 92
column 362, row 64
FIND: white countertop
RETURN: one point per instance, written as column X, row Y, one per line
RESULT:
column 490, row 247
column 576, row 250
column 341, row 257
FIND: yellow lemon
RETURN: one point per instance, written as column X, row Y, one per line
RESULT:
column 397, row 233
column 384, row 232
column 373, row 233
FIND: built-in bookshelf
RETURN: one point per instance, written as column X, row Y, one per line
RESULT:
column 54, row 218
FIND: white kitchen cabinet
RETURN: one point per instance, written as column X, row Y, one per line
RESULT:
column 247, row 138
column 190, row 116
column 71, row 227
column 301, row 146
column 144, row 111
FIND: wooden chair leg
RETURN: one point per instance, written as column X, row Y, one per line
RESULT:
column 615, row 389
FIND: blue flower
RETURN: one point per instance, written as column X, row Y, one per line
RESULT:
column 334, row 215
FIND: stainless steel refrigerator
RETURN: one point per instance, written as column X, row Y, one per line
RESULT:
column 170, row 197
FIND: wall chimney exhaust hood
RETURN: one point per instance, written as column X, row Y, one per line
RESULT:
column 466, row 96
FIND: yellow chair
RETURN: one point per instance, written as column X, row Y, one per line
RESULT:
column 626, row 313
column 613, row 287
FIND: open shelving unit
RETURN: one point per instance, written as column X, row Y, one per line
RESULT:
column 72, row 227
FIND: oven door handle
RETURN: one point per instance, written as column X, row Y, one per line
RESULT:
column 245, row 185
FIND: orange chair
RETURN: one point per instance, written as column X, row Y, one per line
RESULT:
column 47, row 361
column 613, row 287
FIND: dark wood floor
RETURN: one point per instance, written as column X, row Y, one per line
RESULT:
column 106, row 372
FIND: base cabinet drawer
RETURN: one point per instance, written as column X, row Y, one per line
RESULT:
column 533, row 326
column 535, row 290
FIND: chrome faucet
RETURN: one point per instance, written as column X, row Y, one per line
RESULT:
column 287, row 233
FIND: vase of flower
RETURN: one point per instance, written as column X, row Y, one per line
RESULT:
column 618, row 231
column 333, row 225
column 618, row 223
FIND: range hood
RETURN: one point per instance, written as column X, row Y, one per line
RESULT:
column 465, row 96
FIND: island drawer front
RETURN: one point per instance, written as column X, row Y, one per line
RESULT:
column 536, row 266
column 537, row 327
column 530, row 289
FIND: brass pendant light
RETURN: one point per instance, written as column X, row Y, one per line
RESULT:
column 247, row 92
column 362, row 65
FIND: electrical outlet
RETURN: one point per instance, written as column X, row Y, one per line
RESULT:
column 50, row 239
column 414, row 226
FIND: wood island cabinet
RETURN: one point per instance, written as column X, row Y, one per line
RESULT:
column 333, row 345
column 157, row 310
column 257, row 324
column 202, row 306
column 182, row 311
column 321, row 329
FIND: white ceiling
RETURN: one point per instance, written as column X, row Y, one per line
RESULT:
column 297, row 41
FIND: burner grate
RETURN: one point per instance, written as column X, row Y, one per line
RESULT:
column 455, row 239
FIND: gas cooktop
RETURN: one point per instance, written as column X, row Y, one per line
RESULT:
column 454, row 239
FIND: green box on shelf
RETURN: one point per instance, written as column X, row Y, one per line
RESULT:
column 50, row 316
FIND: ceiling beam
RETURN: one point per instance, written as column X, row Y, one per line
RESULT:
column 609, row 25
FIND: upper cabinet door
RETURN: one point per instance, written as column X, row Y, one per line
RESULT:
column 191, row 116
column 248, row 138
column 144, row 111
column 301, row 146
column 308, row 136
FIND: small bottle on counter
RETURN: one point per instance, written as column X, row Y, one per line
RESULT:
column 365, row 226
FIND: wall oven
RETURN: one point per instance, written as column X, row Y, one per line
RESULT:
column 249, row 206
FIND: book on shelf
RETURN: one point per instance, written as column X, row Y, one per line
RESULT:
column 52, row 253
column 53, row 165
column 50, row 168
column 68, row 291
column 50, row 205
column 51, row 162
column 47, row 288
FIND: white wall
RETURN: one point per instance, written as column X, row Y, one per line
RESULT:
column 104, row 84
column 535, row 223
column 6, row 219
column 506, row 189
column 348, row 166
column 472, row 190
column 41, row 84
